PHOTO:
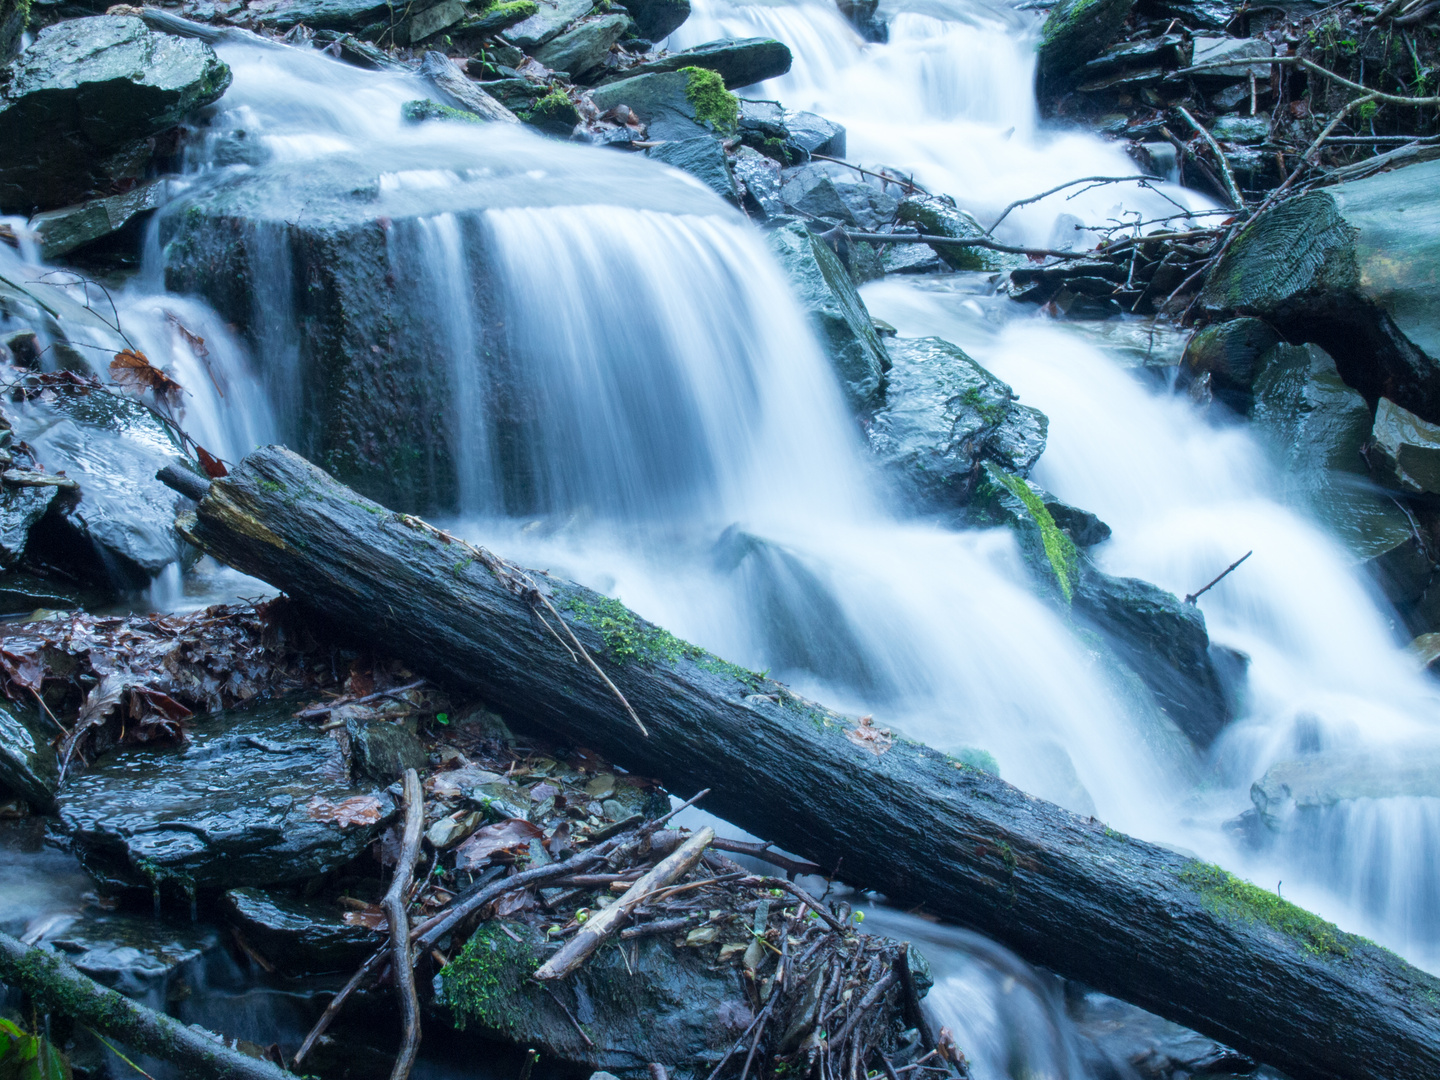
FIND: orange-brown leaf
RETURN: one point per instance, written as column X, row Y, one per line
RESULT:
column 133, row 371
column 356, row 810
column 213, row 466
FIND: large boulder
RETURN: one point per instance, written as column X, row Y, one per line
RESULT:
column 318, row 14
column 81, row 102
column 943, row 415
column 702, row 157
column 62, row 231
column 1075, row 32
column 252, row 797
column 935, row 216
column 332, row 277
column 1353, row 268
column 740, row 62
column 674, row 105
column 837, row 313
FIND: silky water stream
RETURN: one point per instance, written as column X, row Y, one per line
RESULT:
column 686, row 449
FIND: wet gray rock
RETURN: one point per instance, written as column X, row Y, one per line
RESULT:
column 1219, row 50
column 81, row 102
column 864, row 16
column 429, row 21
column 670, row 1006
column 1315, row 426
column 381, row 750
column 813, row 134
column 934, row 216
column 1075, row 32
column 1159, row 638
column 1405, row 450
column 253, row 797
column 21, row 508
column 552, row 17
column 943, row 415
column 1241, row 129
column 297, row 935
column 811, row 190
column 701, row 157
column 13, row 16
column 870, row 207
column 62, row 231
column 1229, row 353
column 761, row 177
column 1350, row 268
column 139, row 956
column 27, row 761
column 1290, row 788
column 739, row 61
column 1084, row 528
column 318, row 14
column 660, row 101
column 655, row 20
column 584, row 46
column 840, row 318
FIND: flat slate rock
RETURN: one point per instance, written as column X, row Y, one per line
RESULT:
column 297, row 934
column 253, row 797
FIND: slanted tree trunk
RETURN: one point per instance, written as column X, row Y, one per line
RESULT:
column 1175, row 936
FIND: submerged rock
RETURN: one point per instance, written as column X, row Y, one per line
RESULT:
column 1290, row 788
column 297, row 935
column 141, row 957
column 252, row 797
column 839, row 316
column 943, row 415
column 81, row 102
column 1351, row 268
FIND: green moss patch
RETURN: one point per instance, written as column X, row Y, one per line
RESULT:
column 713, row 104
column 484, row 983
column 416, row 112
column 1059, row 549
column 1227, row 895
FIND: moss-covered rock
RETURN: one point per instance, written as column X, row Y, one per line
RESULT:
column 1075, row 32
column 935, row 216
column 943, row 415
column 740, row 62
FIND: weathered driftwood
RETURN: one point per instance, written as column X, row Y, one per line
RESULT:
column 1139, row 921
column 395, row 904
column 56, row 986
column 602, row 926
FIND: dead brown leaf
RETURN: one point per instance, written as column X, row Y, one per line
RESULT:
column 500, row 842
column 213, row 466
column 133, row 371
column 356, row 810
column 876, row 740
column 369, row 919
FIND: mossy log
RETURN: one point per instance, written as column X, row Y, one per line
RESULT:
column 1141, row 922
column 56, row 986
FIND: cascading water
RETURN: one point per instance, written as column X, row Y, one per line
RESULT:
column 626, row 394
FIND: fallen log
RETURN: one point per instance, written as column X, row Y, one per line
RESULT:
column 54, row 985
column 1176, row 936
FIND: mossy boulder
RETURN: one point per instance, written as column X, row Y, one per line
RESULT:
column 943, row 415
column 934, row 216
column 1229, row 354
column 79, row 105
column 1076, row 32
column 836, row 311
column 1355, row 269
column 669, row 1004
column 673, row 104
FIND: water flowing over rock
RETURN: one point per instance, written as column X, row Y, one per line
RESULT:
column 838, row 314
column 295, row 934
column 1308, row 784
column 943, row 415
column 253, row 797
column 81, row 102
column 1351, row 268
column 1075, row 31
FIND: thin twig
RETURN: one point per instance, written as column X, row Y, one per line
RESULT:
column 394, row 904
column 1069, row 183
column 1230, row 186
column 1223, row 574
column 906, row 184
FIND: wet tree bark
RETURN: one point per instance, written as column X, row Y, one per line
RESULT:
column 55, row 986
column 1141, row 922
